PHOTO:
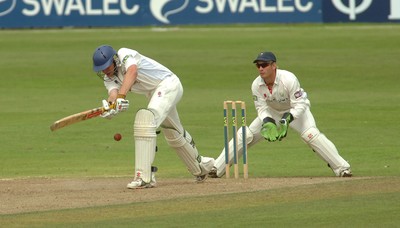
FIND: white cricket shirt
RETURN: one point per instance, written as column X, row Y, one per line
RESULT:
column 150, row 72
column 286, row 96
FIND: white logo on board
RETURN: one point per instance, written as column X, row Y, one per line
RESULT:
column 352, row 9
column 157, row 6
column 6, row 6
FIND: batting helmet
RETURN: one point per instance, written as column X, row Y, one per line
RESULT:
column 103, row 57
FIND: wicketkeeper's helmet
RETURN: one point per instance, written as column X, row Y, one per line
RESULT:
column 103, row 57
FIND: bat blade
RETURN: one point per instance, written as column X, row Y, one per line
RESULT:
column 75, row 118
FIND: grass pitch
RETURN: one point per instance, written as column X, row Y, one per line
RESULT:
column 348, row 71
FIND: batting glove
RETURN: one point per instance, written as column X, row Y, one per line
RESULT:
column 121, row 104
column 109, row 112
column 269, row 130
column 287, row 118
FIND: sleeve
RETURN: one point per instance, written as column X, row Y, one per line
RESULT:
column 298, row 97
column 129, row 57
column 111, row 85
column 259, row 102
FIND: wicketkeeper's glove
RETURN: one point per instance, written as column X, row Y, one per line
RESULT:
column 269, row 130
column 285, row 121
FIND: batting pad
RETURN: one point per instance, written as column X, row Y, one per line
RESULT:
column 185, row 148
column 325, row 150
column 145, row 143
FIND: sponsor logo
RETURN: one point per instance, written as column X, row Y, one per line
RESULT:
column 352, row 9
column 157, row 8
column 366, row 10
column 80, row 7
column 164, row 11
column 7, row 6
column 126, row 58
column 298, row 94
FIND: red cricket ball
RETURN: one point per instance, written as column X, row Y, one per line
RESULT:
column 117, row 137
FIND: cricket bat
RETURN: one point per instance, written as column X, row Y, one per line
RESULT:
column 78, row 117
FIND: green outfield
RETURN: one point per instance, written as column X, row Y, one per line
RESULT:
column 349, row 72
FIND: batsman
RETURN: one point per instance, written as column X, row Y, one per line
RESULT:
column 129, row 71
column 281, row 104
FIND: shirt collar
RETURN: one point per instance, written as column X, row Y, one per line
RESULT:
column 261, row 80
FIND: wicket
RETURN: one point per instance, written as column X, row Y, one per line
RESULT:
column 234, row 108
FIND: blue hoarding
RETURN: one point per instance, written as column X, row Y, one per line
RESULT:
column 106, row 13
column 99, row 13
column 361, row 11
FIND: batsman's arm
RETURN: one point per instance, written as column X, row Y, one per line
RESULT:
column 129, row 80
column 112, row 96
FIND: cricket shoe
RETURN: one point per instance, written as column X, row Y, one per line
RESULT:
column 343, row 173
column 346, row 173
column 206, row 165
column 213, row 173
column 138, row 182
column 201, row 179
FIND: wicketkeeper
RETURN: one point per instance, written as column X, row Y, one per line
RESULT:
column 281, row 103
column 129, row 71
